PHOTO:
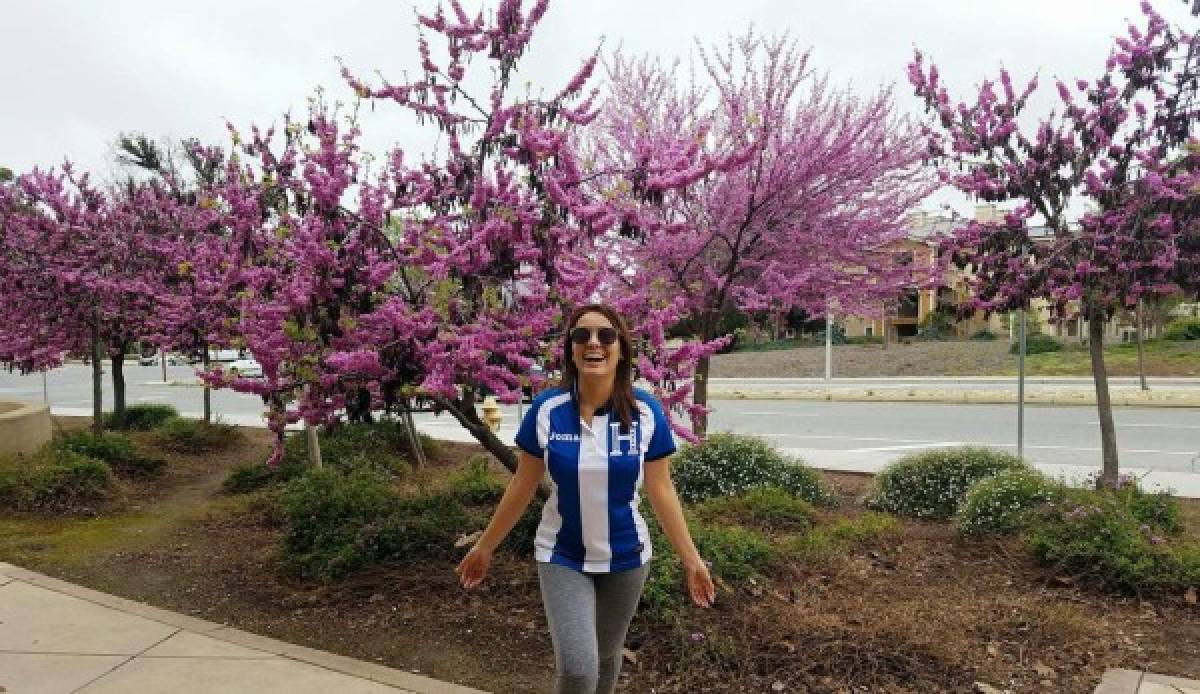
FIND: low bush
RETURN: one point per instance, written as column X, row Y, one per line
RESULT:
column 1183, row 329
column 769, row 508
column 475, row 484
column 243, row 479
column 864, row 340
column 54, row 480
column 381, row 445
column 520, row 539
column 140, row 417
column 335, row 523
column 113, row 448
column 1003, row 504
column 1095, row 537
column 983, row 335
column 1037, row 344
column 195, row 436
column 729, row 465
column 931, row 484
column 1159, row 510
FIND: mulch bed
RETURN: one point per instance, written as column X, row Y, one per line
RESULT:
column 927, row 613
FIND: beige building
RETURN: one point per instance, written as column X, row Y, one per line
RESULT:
column 902, row 317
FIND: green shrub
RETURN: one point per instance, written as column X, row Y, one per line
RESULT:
column 729, row 465
column 983, row 335
column 1095, row 537
column 1037, row 344
column 931, row 484
column 1183, row 329
column 113, row 448
column 475, row 484
column 865, row 340
column 826, row 543
column 381, row 445
column 195, row 436
column 1160, row 511
column 766, row 507
column 335, row 523
column 243, row 479
column 520, row 539
column 140, row 417
column 1003, row 504
column 53, row 480
column 72, row 480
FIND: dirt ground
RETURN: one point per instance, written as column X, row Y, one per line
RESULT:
column 924, row 613
column 967, row 358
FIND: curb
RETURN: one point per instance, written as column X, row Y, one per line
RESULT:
column 963, row 397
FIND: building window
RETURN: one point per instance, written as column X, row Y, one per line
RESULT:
column 869, row 331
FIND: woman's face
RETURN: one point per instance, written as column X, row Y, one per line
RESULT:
column 594, row 358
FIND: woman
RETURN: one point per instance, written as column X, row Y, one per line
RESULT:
column 602, row 441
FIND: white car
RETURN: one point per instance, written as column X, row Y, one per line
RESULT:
column 246, row 368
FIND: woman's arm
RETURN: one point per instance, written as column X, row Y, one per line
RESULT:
column 517, row 495
column 665, row 501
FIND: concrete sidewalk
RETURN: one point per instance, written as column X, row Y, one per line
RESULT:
column 57, row 637
column 1136, row 682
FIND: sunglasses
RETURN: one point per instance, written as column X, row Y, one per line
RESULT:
column 581, row 336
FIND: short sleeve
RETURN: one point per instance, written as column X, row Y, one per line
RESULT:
column 662, row 441
column 527, row 434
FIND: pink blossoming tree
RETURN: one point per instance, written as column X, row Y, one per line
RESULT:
column 815, row 187
column 1118, row 143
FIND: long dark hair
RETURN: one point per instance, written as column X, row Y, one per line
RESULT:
column 624, row 404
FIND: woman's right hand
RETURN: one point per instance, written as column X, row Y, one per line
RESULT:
column 474, row 567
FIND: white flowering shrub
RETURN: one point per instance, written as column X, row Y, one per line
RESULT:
column 730, row 465
column 931, row 484
column 1004, row 504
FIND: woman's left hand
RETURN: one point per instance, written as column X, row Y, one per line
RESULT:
column 700, row 584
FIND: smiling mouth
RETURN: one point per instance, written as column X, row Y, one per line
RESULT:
column 595, row 358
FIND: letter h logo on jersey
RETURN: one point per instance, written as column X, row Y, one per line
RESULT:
column 616, row 438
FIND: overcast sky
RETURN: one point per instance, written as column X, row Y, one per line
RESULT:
column 78, row 73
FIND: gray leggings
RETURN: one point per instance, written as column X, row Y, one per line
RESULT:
column 589, row 615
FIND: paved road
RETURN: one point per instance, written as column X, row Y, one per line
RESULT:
column 848, row 435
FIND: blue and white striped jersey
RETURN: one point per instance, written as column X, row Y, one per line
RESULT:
column 591, row 522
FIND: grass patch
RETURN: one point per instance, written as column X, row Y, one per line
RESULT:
column 1162, row 358
column 766, row 508
column 827, row 543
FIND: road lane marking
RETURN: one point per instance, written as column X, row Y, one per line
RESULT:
column 911, row 446
column 1154, row 426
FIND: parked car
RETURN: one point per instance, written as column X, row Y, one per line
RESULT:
column 224, row 355
column 148, row 360
column 246, row 368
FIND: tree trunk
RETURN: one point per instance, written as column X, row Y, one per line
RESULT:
column 414, row 440
column 207, row 389
column 313, row 444
column 97, row 384
column 118, row 378
column 1137, row 331
column 1108, row 434
column 700, row 396
column 464, row 411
